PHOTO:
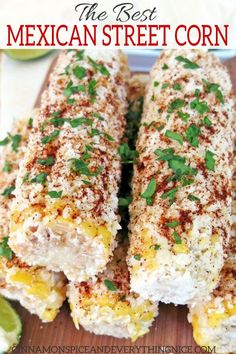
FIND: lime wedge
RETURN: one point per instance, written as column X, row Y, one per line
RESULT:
column 26, row 54
column 10, row 326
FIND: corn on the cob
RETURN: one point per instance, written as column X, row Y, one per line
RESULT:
column 41, row 291
column 107, row 306
column 65, row 213
column 214, row 320
column 180, row 214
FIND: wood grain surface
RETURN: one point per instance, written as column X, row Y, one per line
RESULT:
column 170, row 328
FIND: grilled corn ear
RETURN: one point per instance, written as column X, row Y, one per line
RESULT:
column 180, row 214
column 65, row 213
column 40, row 291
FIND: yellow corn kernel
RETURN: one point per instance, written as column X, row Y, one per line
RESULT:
column 49, row 315
column 39, row 289
column 215, row 319
column 89, row 228
column 180, row 248
column 106, row 234
column 123, row 309
column 197, row 334
column 147, row 316
column 215, row 238
column 22, row 277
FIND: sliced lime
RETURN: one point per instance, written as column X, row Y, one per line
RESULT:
column 26, row 54
column 10, row 326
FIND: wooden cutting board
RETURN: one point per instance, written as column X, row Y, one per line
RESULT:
column 170, row 328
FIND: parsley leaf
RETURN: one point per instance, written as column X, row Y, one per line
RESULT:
column 127, row 155
column 4, row 141
column 40, row 178
column 137, row 257
column 79, row 72
column 149, row 192
column 200, row 106
column 192, row 134
column 171, row 194
column 206, row 121
column 49, row 161
column 79, row 121
column 79, row 166
column 80, row 54
column 58, row 121
column 165, row 67
column 215, row 88
column 7, row 167
column 183, row 116
column 91, row 89
column 15, row 139
column 5, row 250
column 172, row 224
column 177, row 87
column 48, row 138
column 188, row 64
column 110, row 285
column 176, row 104
column 8, row 191
column 99, row 67
column 30, row 123
column 174, row 136
column 55, row 194
column 177, row 238
column 193, row 198
column 209, row 160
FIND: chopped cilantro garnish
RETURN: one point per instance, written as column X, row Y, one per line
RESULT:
column 79, row 166
column 209, row 160
column 48, row 138
column 176, row 104
column 165, row 67
column 58, row 121
column 183, row 116
column 156, row 83
column 165, row 154
column 177, row 238
column 55, row 194
column 79, row 121
column 177, row 87
column 206, row 121
column 193, row 198
column 70, row 101
column 8, row 191
column 150, row 191
column 5, row 250
column 127, row 155
column 99, row 67
column 98, row 116
column 80, row 54
column 156, row 247
column 7, row 167
column 30, row 123
column 91, row 89
column 170, row 194
column 165, row 85
column 188, row 64
column 192, row 134
column 49, row 161
column 187, row 182
column 79, row 72
column 70, row 89
column 172, row 224
column 40, row 178
column 110, row 285
column 174, row 136
column 26, row 177
column 215, row 88
column 124, row 202
column 5, row 141
column 200, row 106
column 137, row 257
column 15, row 141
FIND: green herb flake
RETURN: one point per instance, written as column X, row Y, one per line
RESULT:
column 49, row 161
column 80, row 54
column 79, row 166
column 70, row 101
column 40, row 178
column 156, row 83
column 86, row 182
column 91, row 89
column 49, row 138
column 201, row 106
column 98, row 116
column 210, row 161
column 4, row 141
column 188, row 64
column 110, row 285
column 215, row 88
column 79, row 72
column 150, row 191
column 176, row 104
column 15, row 141
column 157, row 247
column 30, row 123
column 177, row 87
column 206, row 121
column 55, row 194
column 192, row 135
column 183, row 116
column 127, row 154
column 26, row 177
column 58, row 121
column 171, row 194
column 7, row 167
column 5, row 250
column 165, row 85
column 177, row 238
column 172, row 224
column 99, row 67
column 124, row 202
column 8, row 191
column 79, row 121
column 174, row 136
column 137, row 257
column 193, row 198
column 165, row 67
column 165, row 154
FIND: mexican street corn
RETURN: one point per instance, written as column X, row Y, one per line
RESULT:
column 40, row 291
column 180, row 214
column 214, row 320
column 65, row 213
column 107, row 306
